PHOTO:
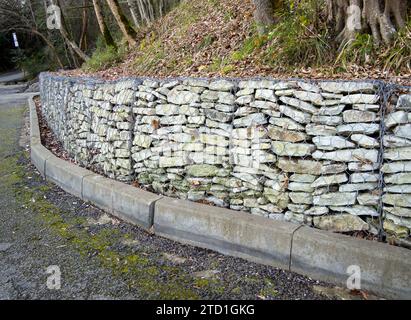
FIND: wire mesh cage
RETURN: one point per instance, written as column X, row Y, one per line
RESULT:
column 335, row 155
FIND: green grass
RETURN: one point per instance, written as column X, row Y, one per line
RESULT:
column 105, row 57
column 398, row 55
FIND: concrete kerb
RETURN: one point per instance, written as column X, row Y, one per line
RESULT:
column 385, row 270
column 227, row 231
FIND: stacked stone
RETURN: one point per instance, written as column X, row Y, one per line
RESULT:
column 110, row 138
column 397, row 167
column 181, row 140
column 56, row 93
column 335, row 182
column 256, row 185
column 147, row 143
column 290, row 150
column 78, row 122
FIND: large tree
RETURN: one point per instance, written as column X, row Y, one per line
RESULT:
column 266, row 13
column 108, row 39
column 128, row 32
column 67, row 36
column 381, row 18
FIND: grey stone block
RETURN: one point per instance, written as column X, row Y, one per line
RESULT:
column 39, row 155
column 34, row 122
column 226, row 231
column 385, row 269
column 98, row 190
column 67, row 175
column 133, row 204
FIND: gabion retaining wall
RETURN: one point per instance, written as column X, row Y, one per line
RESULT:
column 336, row 155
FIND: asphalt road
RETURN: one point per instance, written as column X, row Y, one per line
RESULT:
column 55, row 246
column 13, row 76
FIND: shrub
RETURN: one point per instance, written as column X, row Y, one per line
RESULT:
column 104, row 57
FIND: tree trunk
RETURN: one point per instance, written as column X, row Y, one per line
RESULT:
column 122, row 22
column 132, row 7
column 66, row 36
column 102, row 25
column 265, row 13
column 83, row 36
column 380, row 18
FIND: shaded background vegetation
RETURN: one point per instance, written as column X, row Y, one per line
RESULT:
column 204, row 38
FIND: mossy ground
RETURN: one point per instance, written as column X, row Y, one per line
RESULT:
column 143, row 269
column 44, row 215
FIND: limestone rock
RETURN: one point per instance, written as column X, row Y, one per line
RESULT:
column 363, row 177
column 358, row 187
column 396, row 154
column 357, row 210
column 401, row 200
column 331, row 110
column 222, row 85
column 243, row 100
column 340, row 223
column 202, row 170
column 394, row 118
column 403, row 131
column 401, row 221
column 320, row 130
column 348, row 155
column 364, row 140
column 299, row 116
column 142, row 140
column 276, row 133
column 402, row 188
column 329, row 180
column 182, row 97
column 126, row 97
column 392, row 228
column 214, row 140
column 301, row 197
column 301, row 105
column 286, row 123
column 368, row 199
column 312, row 97
column 391, row 141
column 300, row 166
column 264, row 105
column 317, row 211
column 292, row 149
column 335, row 199
column 265, row 94
column 304, row 178
column 365, row 128
column 308, row 86
column 404, row 102
column 399, row 211
column 357, row 116
column 332, row 143
column 347, row 87
column 399, row 178
column 360, row 99
column 298, row 186
column 327, row 120
column 252, row 119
